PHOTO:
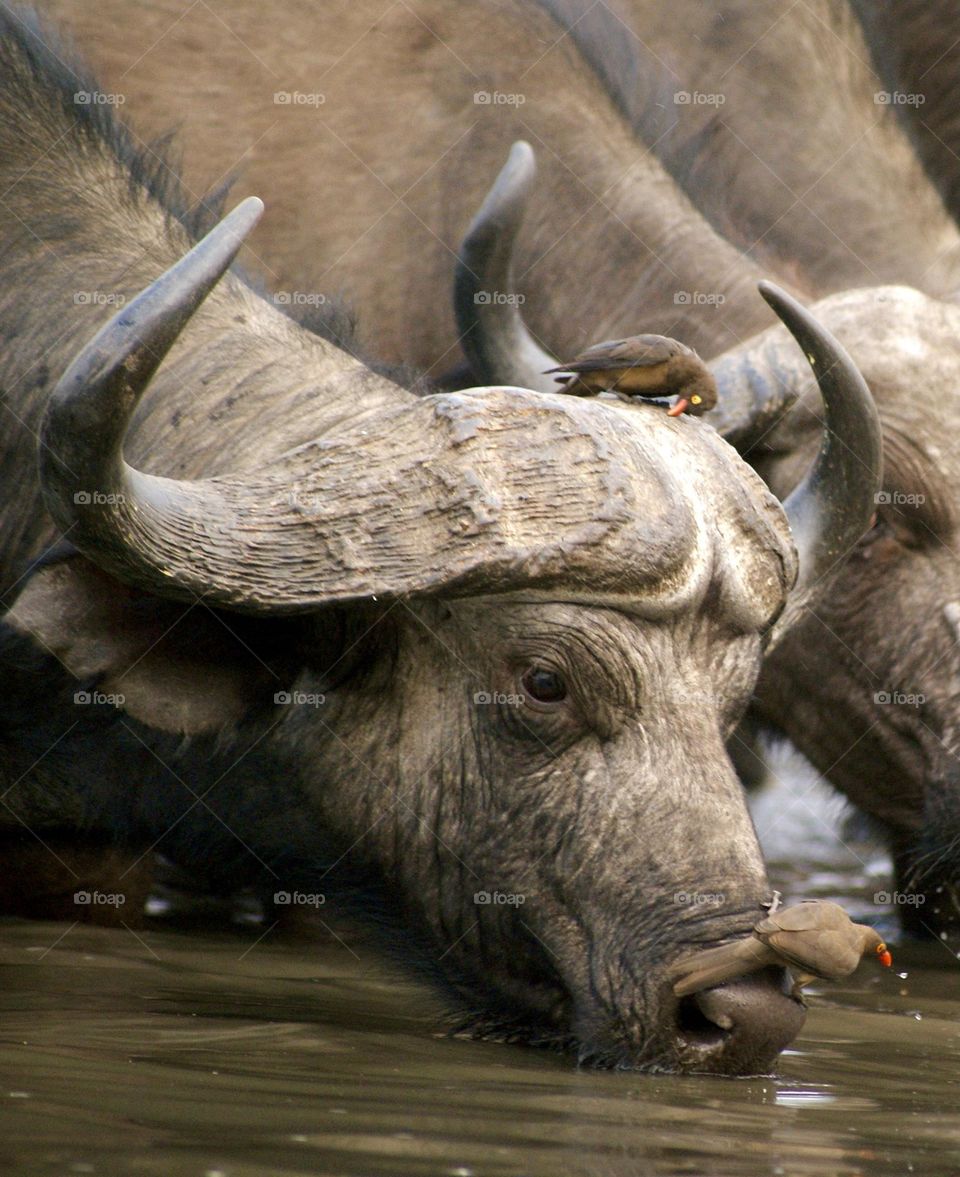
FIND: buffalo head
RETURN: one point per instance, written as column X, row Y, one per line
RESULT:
column 867, row 684
column 531, row 622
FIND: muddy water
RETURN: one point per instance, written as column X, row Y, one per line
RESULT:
column 216, row 1051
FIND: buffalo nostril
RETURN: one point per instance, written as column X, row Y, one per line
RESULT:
column 738, row 1028
column 696, row 1027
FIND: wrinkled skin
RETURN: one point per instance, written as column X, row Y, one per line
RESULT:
column 665, row 565
column 581, row 962
column 485, row 806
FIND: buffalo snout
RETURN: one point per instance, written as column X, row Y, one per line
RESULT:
column 738, row 1028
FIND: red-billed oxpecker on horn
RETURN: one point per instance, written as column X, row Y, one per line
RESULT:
column 645, row 366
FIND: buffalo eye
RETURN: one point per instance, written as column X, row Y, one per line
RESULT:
column 545, row 686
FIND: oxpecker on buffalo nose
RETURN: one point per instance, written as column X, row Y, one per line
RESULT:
column 814, row 939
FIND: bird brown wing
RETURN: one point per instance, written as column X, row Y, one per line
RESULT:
column 809, row 916
column 826, row 953
column 638, row 351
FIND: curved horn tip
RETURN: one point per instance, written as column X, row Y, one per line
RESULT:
column 505, row 203
column 521, row 162
column 91, row 404
column 497, row 343
column 242, row 218
column 779, row 300
column 222, row 243
column 832, row 506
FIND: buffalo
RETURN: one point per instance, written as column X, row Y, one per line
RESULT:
column 658, row 209
column 471, row 654
column 872, row 704
column 802, row 166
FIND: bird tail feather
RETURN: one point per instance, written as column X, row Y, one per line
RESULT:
column 713, row 966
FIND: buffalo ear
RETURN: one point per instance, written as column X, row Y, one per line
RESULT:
column 179, row 667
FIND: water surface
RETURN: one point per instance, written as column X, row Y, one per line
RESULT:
column 222, row 1050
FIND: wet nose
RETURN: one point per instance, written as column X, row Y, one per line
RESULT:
column 738, row 1028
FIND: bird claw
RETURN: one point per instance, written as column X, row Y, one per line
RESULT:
column 773, row 904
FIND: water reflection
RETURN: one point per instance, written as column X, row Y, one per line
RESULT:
column 199, row 1050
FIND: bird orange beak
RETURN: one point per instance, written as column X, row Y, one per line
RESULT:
column 883, row 955
column 681, row 405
